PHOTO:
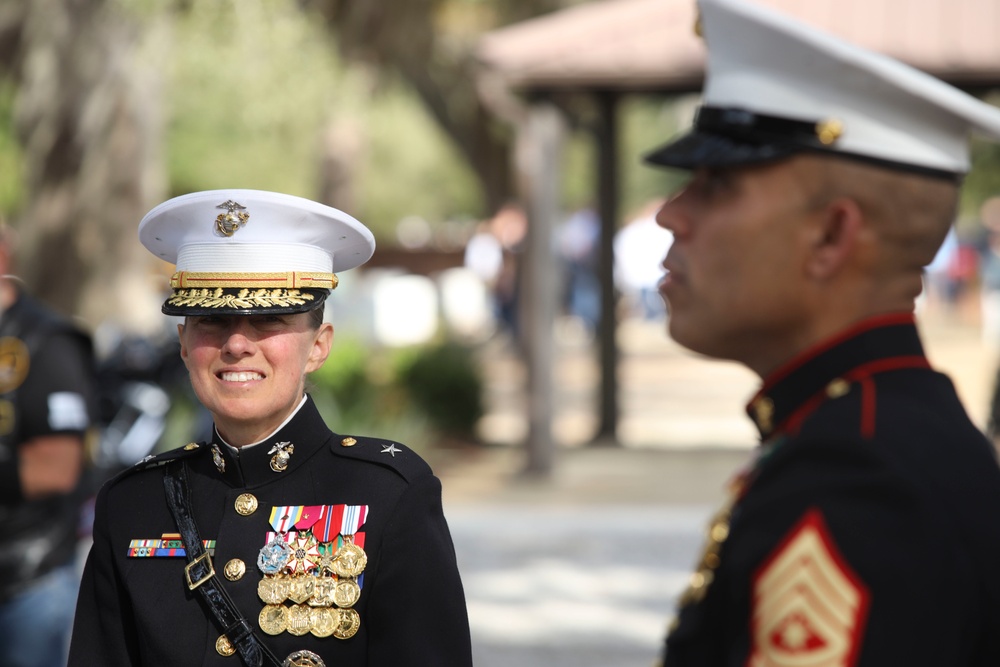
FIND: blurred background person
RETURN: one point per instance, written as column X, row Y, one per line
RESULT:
column 640, row 247
column 46, row 408
column 577, row 246
column 509, row 226
column 989, row 300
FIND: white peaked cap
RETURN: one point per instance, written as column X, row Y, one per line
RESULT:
column 229, row 245
column 783, row 86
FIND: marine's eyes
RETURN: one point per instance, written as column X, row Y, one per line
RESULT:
column 263, row 322
column 268, row 320
column 207, row 320
column 712, row 182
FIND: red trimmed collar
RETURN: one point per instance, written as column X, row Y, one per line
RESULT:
column 828, row 367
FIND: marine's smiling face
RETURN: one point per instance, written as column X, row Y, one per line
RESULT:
column 249, row 370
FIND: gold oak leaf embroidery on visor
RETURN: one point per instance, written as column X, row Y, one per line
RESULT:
column 245, row 298
column 809, row 607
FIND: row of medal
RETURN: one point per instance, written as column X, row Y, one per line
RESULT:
column 322, row 578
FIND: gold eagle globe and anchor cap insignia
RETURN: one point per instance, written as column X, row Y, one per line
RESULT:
column 285, row 262
column 233, row 219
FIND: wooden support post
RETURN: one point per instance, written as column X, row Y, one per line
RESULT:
column 538, row 159
column 607, row 191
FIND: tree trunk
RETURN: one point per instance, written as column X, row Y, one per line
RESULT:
column 87, row 164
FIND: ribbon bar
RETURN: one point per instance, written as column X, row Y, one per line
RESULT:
column 168, row 546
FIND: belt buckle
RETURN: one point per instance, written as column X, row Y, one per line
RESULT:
column 187, row 571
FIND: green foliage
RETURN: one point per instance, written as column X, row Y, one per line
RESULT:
column 345, row 377
column 983, row 180
column 412, row 395
column 251, row 89
column 444, row 382
column 252, row 92
column 11, row 162
column 411, row 167
column 256, row 85
column 644, row 123
column 579, row 164
column 250, row 86
column 647, row 122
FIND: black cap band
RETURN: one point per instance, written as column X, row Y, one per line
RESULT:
column 241, row 301
column 725, row 136
column 761, row 128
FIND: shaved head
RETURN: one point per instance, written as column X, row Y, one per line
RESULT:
column 908, row 214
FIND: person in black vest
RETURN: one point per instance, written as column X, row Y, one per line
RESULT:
column 46, row 407
column 276, row 542
column 823, row 179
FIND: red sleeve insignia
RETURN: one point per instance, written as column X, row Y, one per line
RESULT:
column 809, row 607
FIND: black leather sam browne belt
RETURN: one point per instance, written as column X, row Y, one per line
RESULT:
column 199, row 574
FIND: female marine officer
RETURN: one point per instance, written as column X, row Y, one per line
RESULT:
column 276, row 541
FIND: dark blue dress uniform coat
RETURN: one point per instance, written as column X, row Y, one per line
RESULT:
column 139, row 611
column 866, row 533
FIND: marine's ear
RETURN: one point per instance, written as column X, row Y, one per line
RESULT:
column 180, row 338
column 322, row 342
column 838, row 228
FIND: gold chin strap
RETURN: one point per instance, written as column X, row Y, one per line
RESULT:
column 275, row 280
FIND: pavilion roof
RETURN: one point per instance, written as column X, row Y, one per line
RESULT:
column 650, row 45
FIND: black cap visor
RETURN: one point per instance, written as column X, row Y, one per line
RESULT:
column 706, row 149
column 725, row 137
column 200, row 302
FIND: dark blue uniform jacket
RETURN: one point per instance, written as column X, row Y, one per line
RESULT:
column 139, row 611
column 866, row 533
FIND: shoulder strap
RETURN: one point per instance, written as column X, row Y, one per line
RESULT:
column 200, row 574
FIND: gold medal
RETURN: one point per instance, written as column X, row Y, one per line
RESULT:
column 324, row 621
column 303, row 659
column 273, row 619
column 350, row 560
column 300, row 588
column 346, row 593
column 273, row 589
column 299, row 620
column 348, row 623
column 325, row 563
column 324, row 592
